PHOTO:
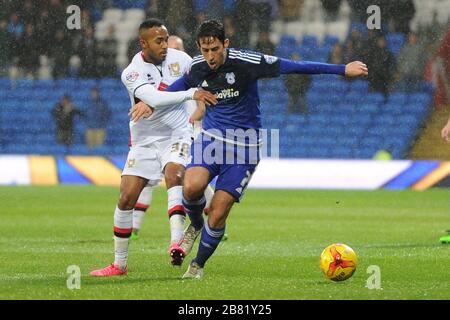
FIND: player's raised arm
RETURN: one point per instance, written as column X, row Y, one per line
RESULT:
column 353, row 69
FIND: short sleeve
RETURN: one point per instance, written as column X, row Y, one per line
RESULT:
column 133, row 79
column 268, row 67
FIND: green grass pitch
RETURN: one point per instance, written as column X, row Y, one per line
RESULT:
column 275, row 239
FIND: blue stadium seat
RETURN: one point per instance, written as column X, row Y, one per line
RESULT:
column 397, row 98
column 330, row 40
column 360, row 86
column 422, row 98
column 375, row 98
column 288, row 40
column 310, row 41
column 341, row 153
column 395, row 42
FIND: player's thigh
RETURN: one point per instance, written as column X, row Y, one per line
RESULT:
column 195, row 181
column 235, row 178
column 220, row 207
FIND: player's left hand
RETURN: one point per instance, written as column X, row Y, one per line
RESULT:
column 356, row 69
column 140, row 110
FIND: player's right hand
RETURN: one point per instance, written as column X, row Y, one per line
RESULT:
column 206, row 97
column 140, row 110
column 445, row 131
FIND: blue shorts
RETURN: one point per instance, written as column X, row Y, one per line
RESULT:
column 233, row 165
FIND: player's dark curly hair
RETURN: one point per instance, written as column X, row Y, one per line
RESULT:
column 150, row 23
column 211, row 29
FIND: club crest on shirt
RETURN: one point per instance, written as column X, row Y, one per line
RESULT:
column 131, row 163
column 270, row 59
column 231, row 78
column 175, row 70
column 132, row 76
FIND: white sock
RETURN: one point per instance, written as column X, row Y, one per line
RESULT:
column 123, row 222
column 209, row 193
column 138, row 219
column 175, row 203
column 143, row 203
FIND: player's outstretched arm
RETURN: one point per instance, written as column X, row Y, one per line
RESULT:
column 353, row 69
column 356, row 69
column 143, row 110
column 445, row 131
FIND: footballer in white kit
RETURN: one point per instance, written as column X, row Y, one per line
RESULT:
column 166, row 135
column 158, row 143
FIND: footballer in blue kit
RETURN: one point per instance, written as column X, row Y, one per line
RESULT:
column 228, row 146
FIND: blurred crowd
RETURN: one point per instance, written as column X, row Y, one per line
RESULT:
column 34, row 38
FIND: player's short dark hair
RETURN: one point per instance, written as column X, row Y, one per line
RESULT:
column 150, row 23
column 211, row 29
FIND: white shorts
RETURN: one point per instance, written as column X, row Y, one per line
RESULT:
column 149, row 161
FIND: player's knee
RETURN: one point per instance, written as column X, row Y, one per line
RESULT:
column 173, row 180
column 126, row 201
column 191, row 192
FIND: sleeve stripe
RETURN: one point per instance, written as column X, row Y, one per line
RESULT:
column 198, row 58
column 244, row 59
column 246, row 54
column 134, row 91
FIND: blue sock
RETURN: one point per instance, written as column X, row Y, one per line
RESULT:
column 209, row 241
column 194, row 209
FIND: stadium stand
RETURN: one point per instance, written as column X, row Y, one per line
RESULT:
column 348, row 121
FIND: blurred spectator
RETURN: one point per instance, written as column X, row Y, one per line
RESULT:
column 43, row 33
column 106, row 55
column 290, row 10
column 264, row 45
column 403, row 12
column 349, row 53
column 381, row 63
column 64, row 113
column 97, row 116
column 4, row 44
column 331, row 8
column 28, row 55
column 359, row 9
column 263, row 12
column 175, row 42
column 411, row 64
column 61, row 55
column 230, row 32
column 214, row 9
column 87, row 51
column 28, row 11
column 337, row 54
column 57, row 16
column 15, row 31
column 133, row 48
column 297, row 85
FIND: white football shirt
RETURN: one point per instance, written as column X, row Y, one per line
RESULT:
column 143, row 80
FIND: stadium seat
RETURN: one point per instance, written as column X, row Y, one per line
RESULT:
column 395, row 42
column 310, row 41
column 288, row 41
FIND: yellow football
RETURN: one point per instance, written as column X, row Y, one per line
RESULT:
column 338, row 262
